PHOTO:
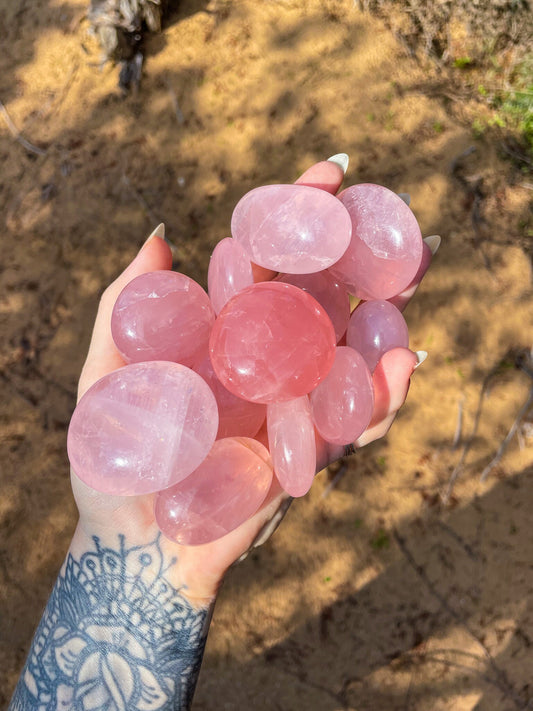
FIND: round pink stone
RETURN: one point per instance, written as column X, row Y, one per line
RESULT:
column 386, row 246
column 342, row 404
column 162, row 315
column 296, row 229
column 272, row 342
column 229, row 271
column 329, row 292
column 227, row 488
column 142, row 428
column 291, row 441
column 236, row 417
column 376, row 327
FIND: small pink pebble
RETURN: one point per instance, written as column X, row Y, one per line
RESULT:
column 227, row 488
column 329, row 292
column 376, row 327
column 386, row 246
column 272, row 342
column 230, row 271
column 291, row 441
column 162, row 315
column 236, row 417
column 342, row 404
column 142, row 428
column 295, row 229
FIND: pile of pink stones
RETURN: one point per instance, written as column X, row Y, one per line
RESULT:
column 205, row 373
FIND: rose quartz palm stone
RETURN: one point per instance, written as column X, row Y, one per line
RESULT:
column 329, row 292
column 227, row 488
column 291, row 441
column 142, row 428
column 272, row 342
column 230, row 270
column 386, row 246
column 296, row 229
column 236, row 417
column 162, row 315
column 376, row 327
column 342, row 403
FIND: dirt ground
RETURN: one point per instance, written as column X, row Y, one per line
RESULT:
column 383, row 589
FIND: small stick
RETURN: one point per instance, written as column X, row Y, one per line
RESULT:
column 459, row 428
column 140, row 199
column 333, row 483
column 16, row 133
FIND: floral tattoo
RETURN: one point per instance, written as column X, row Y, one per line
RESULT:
column 115, row 636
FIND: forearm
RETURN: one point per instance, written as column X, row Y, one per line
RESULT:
column 117, row 633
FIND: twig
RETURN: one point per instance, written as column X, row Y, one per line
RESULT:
column 459, row 427
column 333, row 483
column 16, row 133
column 501, row 677
column 140, row 199
column 174, row 99
column 503, row 446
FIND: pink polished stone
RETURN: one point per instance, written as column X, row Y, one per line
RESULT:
column 237, row 417
column 291, row 441
column 230, row 271
column 142, row 428
column 342, row 404
column 386, row 246
column 272, row 342
column 329, row 292
column 227, row 488
column 162, row 315
column 295, row 229
column 376, row 327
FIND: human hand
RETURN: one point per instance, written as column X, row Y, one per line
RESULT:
column 201, row 568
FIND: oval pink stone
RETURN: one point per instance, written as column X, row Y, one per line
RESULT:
column 296, row 229
column 291, row 441
column 227, row 488
column 376, row 327
column 229, row 272
column 162, row 315
column 342, row 404
column 236, row 417
column 272, row 342
column 386, row 246
column 329, row 292
column 142, row 428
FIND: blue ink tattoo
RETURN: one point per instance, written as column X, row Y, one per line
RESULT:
column 115, row 636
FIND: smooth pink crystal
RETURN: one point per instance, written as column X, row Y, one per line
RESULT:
column 291, row 441
column 142, row 428
column 227, row 488
column 162, row 315
column 376, row 327
column 295, row 229
column 272, row 342
column 329, row 292
column 229, row 272
column 236, row 417
column 342, row 404
column 386, row 246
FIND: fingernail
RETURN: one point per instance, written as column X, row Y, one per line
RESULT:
column 405, row 197
column 433, row 242
column 342, row 160
column 421, row 357
column 158, row 232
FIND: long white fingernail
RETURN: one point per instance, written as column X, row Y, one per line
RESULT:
column 342, row 160
column 159, row 231
column 421, row 357
column 433, row 242
column 405, row 197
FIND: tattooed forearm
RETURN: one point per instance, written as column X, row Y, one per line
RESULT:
column 115, row 635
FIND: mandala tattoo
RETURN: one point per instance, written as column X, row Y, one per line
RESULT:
column 115, row 636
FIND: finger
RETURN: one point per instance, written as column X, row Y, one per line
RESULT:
column 103, row 357
column 429, row 249
column 391, row 380
column 326, row 175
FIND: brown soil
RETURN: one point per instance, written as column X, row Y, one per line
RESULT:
column 375, row 594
